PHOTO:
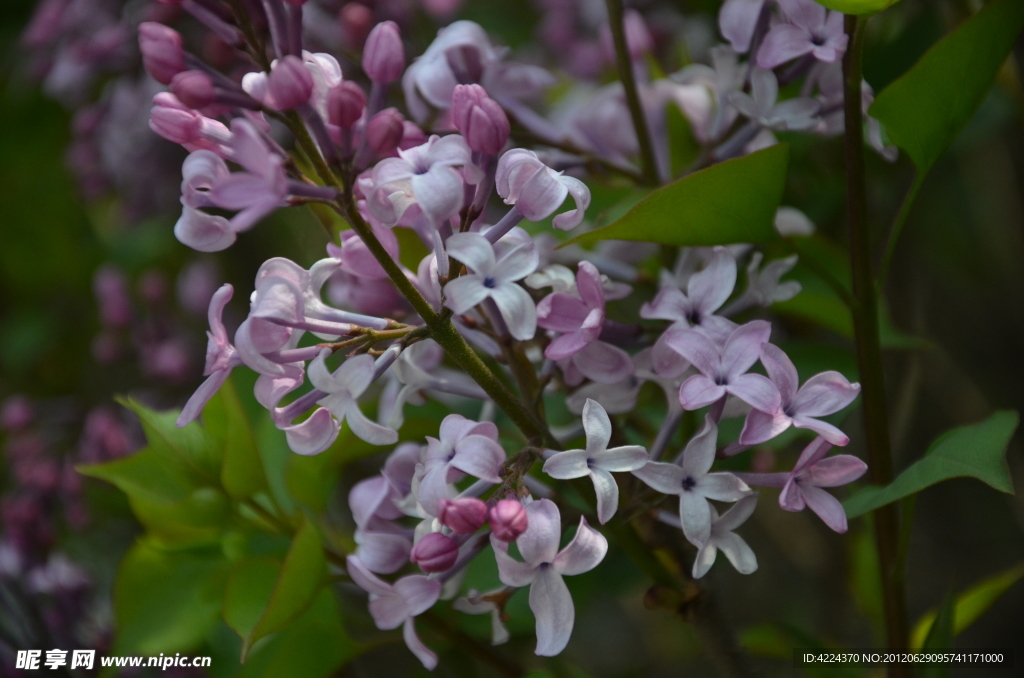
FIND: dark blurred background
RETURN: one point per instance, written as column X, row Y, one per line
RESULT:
column 71, row 338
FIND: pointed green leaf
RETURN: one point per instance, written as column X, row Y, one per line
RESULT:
column 970, row 604
column 242, row 468
column 190, row 444
column 167, row 601
column 731, row 202
column 925, row 109
column 248, row 592
column 939, row 639
column 301, row 577
column 316, row 645
column 198, row 519
column 976, row 451
column 147, row 474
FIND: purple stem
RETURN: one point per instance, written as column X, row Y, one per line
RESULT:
column 504, row 225
column 278, row 26
column 224, row 31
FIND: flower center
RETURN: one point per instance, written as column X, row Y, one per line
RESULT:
column 590, row 463
column 693, row 317
column 490, row 283
column 688, row 483
column 721, row 380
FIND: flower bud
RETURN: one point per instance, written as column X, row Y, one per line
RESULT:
column 193, row 88
column 465, row 515
column 355, row 21
column 290, row 83
column 385, row 130
column 383, row 54
column 345, row 104
column 508, row 520
column 162, row 54
column 173, row 121
column 412, row 135
column 435, row 552
column 480, row 119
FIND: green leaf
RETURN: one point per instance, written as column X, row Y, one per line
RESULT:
column 167, row 601
column 191, row 445
column 316, row 645
column 976, row 451
column 241, row 472
column 970, row 604
column 301, row 578
column 925, row 109
column 248, row 592
column 939, row 639
column 198, row 519
column 733, row 201
column 857, row 6
column 146, row 474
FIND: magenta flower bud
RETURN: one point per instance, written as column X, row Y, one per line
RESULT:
column 170, row 119
column 355, row 19
column 193, row 88
column 479, row 118
column 508, row 520
column 435, row 552
column 290, row 83
column 162, row 54
column 465, row 515
column 345, row 104
column 383, row 54
column 385, row 130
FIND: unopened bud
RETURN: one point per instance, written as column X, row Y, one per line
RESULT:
column 193, row 88
column 464, row 516
column 383, row 54
column 173, row 120
column 508, row 520
column 355, row 19
column 479, row 118
column 162, row 54
column 345, row 104
column 384, row 131
column 435, row 552
column 290, row 83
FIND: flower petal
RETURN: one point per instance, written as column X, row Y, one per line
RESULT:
column 621, row 459
column 367, row 430
column 383, row 552
column 194, row 407
column 705, row 559
column 480, row 457
column 585, row 552
column 760, row 426
column 567, row 465
column 567, row 221
column 826, row 506
column 661, row 477
column 204, row 232
column 827, row 431
column 722, row 486
column 601, row 362
column 698, row 349
column 781, row 371
column 738, row 552
column 695, row 516
column 517, row 263
column 743, row 347
column 511, row 572
column 539, row 544
column 517, row 310
column 698, row 391
column 709, row 288
column 699, row 454
column 473, row 250
column 465, row 292
column 757, row 391
column 607, row 493
column 783, row 43
column 419, row 592
column 416, row 646
column 824, row 394
column 552, row 606
column 314, row 435
column 835, row 471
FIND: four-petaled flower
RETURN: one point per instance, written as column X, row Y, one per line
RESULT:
column 597, row 461
column 802, row 486
column 544, row 568
column 398, row 604
column 821, row 395
column 723, row 539
column 810, row 29
column 343, row 388
column 464, row 446
column 580, row 320
column 494, row 279
column 763, row 107
column 724, row 370
column 693, row 484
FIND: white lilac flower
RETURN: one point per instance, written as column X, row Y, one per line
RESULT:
column 544, row 568
column 597, row 461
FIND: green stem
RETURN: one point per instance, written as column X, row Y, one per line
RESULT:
column 869, row 352
column 897, row 228
column 636, row 110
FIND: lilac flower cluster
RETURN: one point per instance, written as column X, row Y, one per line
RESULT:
column 540, row 314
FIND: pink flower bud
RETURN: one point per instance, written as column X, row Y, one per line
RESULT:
column 508, row 520
column 435, row 552
column 480, row 119
column 162, row 54
column 345, row 104
column 385, row 131
column 290, row 83
column 173, row 121
column 383, row 54
column 465, row 516
column 193, row 88
column 355, row 19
